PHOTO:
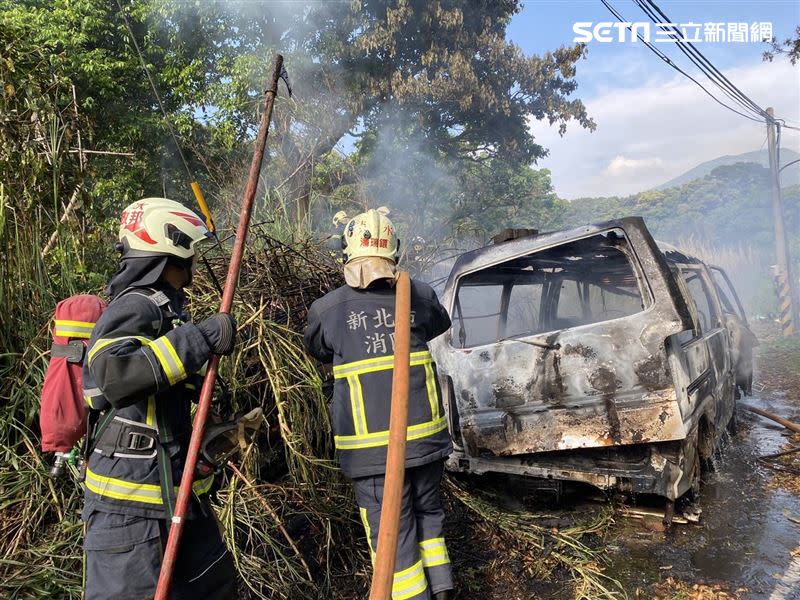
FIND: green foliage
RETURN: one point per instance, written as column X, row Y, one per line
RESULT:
column 435, row 83
column 730, row 205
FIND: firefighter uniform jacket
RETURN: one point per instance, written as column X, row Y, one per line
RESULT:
column 354, row 329
column 140, row 373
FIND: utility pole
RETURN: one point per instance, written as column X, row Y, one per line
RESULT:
column 787, row 286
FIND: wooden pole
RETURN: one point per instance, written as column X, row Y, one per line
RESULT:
column 785, row 422
column 198, row 427
column 787, row 287
column 389, row 527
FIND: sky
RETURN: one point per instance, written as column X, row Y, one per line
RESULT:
column 652, row 122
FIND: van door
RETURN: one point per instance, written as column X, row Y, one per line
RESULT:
column 742, row 339
column 705, row 351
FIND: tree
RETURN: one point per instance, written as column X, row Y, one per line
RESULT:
column 789, row 46
column 441, row 72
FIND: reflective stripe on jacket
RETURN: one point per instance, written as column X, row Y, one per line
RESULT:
column 354, row 329
column 142, row 363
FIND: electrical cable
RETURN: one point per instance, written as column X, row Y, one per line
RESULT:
column 198, row 194
column 688, row 49
column 669, row 61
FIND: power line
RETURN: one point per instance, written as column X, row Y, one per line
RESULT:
column 669, row 61
column 155, row 91
column 194, row 185
column 698, row 58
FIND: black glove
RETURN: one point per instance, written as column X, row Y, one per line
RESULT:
column 220, row 333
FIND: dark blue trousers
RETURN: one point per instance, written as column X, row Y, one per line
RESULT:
column 123, row 559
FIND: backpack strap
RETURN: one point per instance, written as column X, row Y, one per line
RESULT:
column 157, row 297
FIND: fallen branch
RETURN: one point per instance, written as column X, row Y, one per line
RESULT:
column 785, row 422
column 274, row 516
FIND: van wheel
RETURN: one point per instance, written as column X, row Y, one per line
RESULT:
column 705, row 448
column 733, row 422
column 694, row 488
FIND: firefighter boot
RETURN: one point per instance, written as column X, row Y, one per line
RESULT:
column 443, row 595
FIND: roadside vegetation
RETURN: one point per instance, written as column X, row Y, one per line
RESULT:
column 81, row 136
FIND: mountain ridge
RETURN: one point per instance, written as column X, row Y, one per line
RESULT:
column 790, row 176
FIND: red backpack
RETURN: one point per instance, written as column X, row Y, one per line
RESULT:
column 62, row 417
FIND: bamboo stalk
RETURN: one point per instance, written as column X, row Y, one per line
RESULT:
column 73, row 201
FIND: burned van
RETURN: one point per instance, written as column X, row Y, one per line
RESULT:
column 592, row 355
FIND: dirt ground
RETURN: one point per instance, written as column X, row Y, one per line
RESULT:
column 746, row 544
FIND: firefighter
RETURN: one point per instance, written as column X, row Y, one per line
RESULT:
column 352, row 327
column 141, row 375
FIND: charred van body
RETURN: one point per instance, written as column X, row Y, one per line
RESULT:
column 593, row 355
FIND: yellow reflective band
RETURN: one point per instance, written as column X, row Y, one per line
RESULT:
column 434, row 552
column 148, row 493
column 201, row 486
column 88, row 401
column 105, row 342
column 150, row 417
column 73, row 329
column 430, row 384
column 409, row 582
column 119, row 489
column 381, row 363
column 191, row 386
column 368, row 529
column 381, row 438
column 168, row 358
column 357, row 405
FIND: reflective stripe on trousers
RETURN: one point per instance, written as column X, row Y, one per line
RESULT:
column 422, row 565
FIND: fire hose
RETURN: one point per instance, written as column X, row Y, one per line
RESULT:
column 389, row 527
column 204, row 404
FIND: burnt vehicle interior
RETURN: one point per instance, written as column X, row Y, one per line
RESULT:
column 582, row 282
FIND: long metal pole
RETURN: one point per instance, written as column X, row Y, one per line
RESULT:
column 389, row 527
column 787, row 287
column 198, row 428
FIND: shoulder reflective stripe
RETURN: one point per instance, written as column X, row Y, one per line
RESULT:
column 120, row 489
column 106, row 342
column 169, row 360
column 74, row 329
column 430, row 385
column 409, row 582
column 381, row 438
column 434, row 552
column 368, row 529
column 376, row 364
column 357, row 405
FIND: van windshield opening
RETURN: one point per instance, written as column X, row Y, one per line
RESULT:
column 578, row 283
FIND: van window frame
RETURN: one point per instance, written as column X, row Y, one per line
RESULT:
column 642, row 284
column 710, row 291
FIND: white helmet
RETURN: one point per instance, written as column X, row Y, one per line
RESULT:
column 158, row 226
column 371, row 234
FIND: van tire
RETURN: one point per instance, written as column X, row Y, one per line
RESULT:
column 705, row 447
